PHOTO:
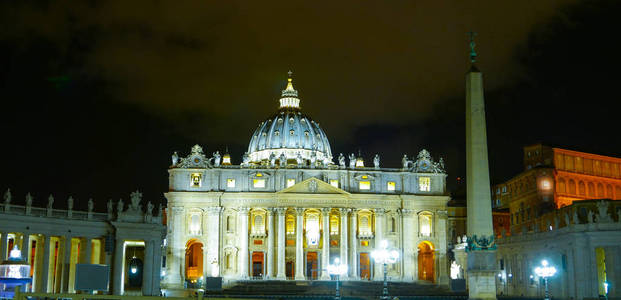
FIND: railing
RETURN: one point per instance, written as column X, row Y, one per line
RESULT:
column 198, row 296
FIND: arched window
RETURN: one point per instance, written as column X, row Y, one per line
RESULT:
column 600, row 191
column 290, row 224
column 195, row 224
column 591, row 189
column 334, row 224
column 425, row 223
column 194, row 259
column 560, row 187
column 258, row 226
column 364, row 224
column 581, row 188
column 572, row 187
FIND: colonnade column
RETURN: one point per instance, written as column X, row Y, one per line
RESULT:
column 281, row 243
column 3, row 245
column 119, row 261
column 42, row 286
column 353, row 230
column 66, row 265
column 270, row 243
column 243, row 242
column 213, row 242
column 299, row 243
column 343, row 242
column 378, row 275
column 147, row 278
column 325, row 250
column 408, row 245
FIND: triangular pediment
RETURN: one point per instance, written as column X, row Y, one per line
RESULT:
column 312, row 186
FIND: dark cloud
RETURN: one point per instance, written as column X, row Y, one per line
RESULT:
column 99, row 93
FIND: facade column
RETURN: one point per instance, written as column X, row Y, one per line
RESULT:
column 243, row 242
column 299, row 243
column 281, row 243
column 378, row 274
column 147, row 279
column 174, row 263
column 119, row 261
column 213, row 242
column 353, row 230
column 325, row 250
column 66, row 265
column 343, row 242
column 270, row 243
column 3, row 245
column 408, row 245
column 42, row 286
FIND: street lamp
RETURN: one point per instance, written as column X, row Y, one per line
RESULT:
column 545, row 271
column 385, row 256
column 337, row 269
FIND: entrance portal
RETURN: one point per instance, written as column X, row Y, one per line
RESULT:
column 193, row 260
column 426, row 268
column 365, row 266
column 311, row 265
column 257, row 265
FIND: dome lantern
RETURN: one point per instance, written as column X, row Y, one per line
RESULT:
column 289, row 96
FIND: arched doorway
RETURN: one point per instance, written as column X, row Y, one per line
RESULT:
column 426, row 262
column 193, row 260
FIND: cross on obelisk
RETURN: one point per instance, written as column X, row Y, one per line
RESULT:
column 473, row 54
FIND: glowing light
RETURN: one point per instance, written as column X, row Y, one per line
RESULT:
column 359, row 163
column 391, row 185
column 545, row 270
column 258, row 183
column 424, row 184
column 230, row 183
column 334, row 183
column 134, row 270
column 364, row 185
column 383, row 255
column 15, row 253
column 290, row 182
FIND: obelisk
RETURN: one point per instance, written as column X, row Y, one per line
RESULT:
column 481, row 246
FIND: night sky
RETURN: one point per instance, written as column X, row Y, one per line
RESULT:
column 96, row 95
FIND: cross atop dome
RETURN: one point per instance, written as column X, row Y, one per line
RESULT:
column 289, row 96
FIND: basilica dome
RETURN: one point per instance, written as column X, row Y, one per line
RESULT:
column 291, row 133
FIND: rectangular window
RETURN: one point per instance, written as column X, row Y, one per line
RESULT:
column 364, row 243
column 334, row 183
column 334, row 243
column 196, row 179
column 290, row 242
column 364, row 185
column 257, row 242
column 290, row 182
column 391, row 185
column 230, row 183
column 424, row 184
column 258, row 183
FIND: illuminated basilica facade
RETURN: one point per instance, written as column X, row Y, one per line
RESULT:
column 290, row 208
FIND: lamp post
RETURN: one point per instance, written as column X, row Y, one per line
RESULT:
column 545, row 271
column 385, row 256
column 337, row 269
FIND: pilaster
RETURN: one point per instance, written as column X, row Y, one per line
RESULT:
column 408, row 245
